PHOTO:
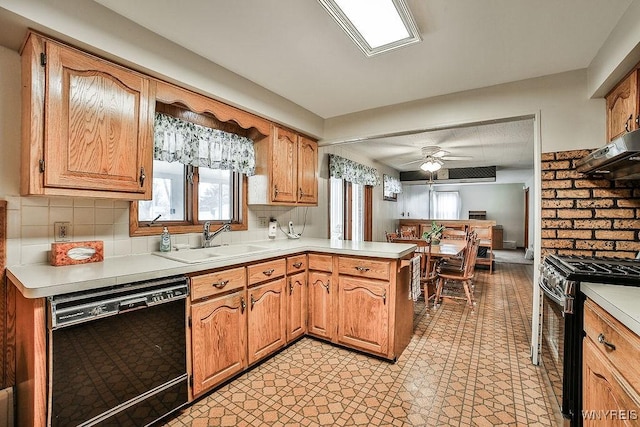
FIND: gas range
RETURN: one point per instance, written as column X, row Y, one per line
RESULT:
column 560, row 326
column 612, row 271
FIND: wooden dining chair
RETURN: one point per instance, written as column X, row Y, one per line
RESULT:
column 390, row 236
column 463, row 274
column 450, row 233
column 428, row 275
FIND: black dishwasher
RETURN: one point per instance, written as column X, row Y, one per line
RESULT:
column 117, row 355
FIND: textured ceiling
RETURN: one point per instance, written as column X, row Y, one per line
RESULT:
column 296, row 50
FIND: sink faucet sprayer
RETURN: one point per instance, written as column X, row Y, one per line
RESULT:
column 208, row 236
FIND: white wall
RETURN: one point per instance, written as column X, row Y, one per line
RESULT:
column 568, row 118
column 504, row 203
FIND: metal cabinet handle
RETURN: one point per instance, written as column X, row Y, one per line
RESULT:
column 143, row 176
column 253, row 301
column 297, row 264
column 243, row 305
column 362, row 269
column 300, row 193
column 290, row 287
column 603, row 340
column 384, row 298
column 275, row 191
column 638, row 120
column 220, row 284
column 326, row 286
column 626, row 124
column 268, row 272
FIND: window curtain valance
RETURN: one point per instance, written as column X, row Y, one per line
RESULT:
column 346, row 169
column 176, row 140
column 392, row 185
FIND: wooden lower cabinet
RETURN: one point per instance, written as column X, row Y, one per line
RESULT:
column 605, row 391
column 610, row 372
column 266, row 319
column 296, row 306
column 363, row 314
column 218, row 340
column 320, row 307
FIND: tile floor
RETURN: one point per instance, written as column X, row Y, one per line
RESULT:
column 462, row 368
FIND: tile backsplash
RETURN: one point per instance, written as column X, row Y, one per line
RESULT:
column 30, row 226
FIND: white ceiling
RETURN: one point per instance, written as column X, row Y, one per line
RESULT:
column 295, row 49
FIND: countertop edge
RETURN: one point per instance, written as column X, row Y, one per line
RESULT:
column 43, row 280
column 618, row 301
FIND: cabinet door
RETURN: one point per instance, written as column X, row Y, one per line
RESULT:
column 606, row 394
column 218, row 340
column 622, row 107
column 296, row 306
column 320, row 307
column 307, row 171
column 267, row 319
column 284, row 159
column 363, row 314
column 98, row 125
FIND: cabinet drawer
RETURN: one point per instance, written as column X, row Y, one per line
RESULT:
column 601, row 327
column 296, row 264
column 320, row 262
column 266, row 270
column 216, row 283
column 364, row 268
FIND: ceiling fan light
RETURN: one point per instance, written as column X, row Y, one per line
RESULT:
column 431, row 165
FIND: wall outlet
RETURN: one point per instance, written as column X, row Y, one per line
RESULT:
column 61, row 231
column 262, row 222
column 273, row 228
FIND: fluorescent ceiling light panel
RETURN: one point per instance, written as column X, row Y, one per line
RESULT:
column 375, row 26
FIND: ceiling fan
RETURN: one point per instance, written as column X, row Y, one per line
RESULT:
column 433, row 158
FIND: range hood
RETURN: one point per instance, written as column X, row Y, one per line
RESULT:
column 618, row 160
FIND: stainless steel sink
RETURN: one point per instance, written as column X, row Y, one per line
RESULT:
column 192, row 256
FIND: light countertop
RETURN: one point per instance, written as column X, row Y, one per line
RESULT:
column 43, row 280
column 622, row 302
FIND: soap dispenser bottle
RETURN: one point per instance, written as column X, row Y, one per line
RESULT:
column 165, row 240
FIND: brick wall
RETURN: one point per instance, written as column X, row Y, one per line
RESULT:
column 584, row 216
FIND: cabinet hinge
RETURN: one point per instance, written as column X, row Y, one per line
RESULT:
column 43, row 59
column 191, row 381
column 41, row 164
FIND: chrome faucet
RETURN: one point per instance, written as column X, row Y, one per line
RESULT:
column 208, row 236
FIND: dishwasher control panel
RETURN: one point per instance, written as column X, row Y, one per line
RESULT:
column 79, row 307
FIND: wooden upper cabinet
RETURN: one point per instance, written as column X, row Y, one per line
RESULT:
column 97, row 124
column 286, row 170
column 622, row 107
column 284, row 162
column 307, row 171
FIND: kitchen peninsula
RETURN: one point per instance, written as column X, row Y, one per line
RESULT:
column 271, row 295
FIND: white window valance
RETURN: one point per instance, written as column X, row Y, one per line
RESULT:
column 176, row 140
column 357, row 173
column 392, row 185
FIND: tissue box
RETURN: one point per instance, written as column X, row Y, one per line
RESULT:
column 70, row 253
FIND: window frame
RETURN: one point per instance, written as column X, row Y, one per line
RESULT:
column 239, row 184
column 347, row 211
column 239, row 188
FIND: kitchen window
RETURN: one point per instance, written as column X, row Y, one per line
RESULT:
column 350, row 210
column 198, row 175
column 351, row 199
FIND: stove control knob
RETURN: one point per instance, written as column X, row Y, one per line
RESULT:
column 96, row 311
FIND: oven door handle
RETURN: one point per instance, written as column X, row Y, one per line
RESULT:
column 548, row 292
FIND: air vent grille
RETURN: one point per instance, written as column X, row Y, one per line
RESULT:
column 480, row 174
